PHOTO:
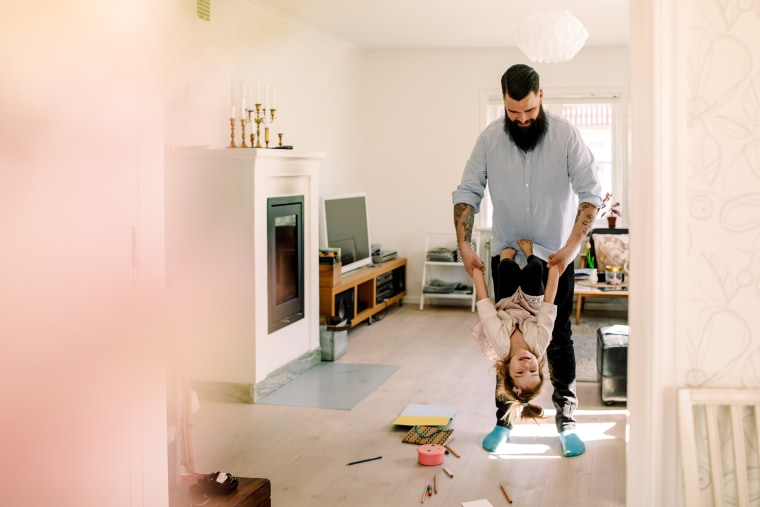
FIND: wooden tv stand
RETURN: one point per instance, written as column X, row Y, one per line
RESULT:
column 363, row 281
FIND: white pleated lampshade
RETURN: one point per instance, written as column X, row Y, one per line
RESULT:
column 551, row 36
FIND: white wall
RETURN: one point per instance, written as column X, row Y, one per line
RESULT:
column 423, row 114
column 315, row 77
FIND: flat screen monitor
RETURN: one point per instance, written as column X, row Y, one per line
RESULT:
column 345, row 225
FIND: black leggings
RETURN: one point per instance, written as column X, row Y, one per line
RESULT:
column 560, row 352
column 509, row 277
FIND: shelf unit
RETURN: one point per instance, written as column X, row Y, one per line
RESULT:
column 360, row 287
column 431, row 268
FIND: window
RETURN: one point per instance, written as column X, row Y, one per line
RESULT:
column 599, row 121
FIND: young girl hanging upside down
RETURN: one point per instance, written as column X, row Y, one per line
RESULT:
column 516, row 330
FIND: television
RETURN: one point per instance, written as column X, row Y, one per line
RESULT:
column 345, row 225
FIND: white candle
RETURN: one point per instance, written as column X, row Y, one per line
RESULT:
column 234, row 91
column 258, row 91
column 266, row 96
column 273, row 91
column 232, row 114
column 243, row 98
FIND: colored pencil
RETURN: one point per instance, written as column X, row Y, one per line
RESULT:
column 363, row 460
column 452, row 451
column 505, row 493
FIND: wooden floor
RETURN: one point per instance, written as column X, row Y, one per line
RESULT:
column 304, row 451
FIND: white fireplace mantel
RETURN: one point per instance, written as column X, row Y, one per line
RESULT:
column 216, row 251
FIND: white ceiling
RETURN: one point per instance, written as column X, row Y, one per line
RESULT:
column 386, row 24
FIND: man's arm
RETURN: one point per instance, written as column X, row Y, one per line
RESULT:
column 584, row 222
column 464, row 220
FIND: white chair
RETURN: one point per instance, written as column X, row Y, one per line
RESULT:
column 719, row 431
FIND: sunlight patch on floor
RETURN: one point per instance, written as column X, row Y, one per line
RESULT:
column 521, row 454
column 587, row 431
column 602, row 411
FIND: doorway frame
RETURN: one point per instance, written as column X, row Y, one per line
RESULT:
column 657, row 165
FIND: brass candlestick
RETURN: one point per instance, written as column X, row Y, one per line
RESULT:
column 258, row 121
column 280, row 136
column 232, row 134
column 248, row 116
column 271, row 119
column 244, row 143
column 261, row 117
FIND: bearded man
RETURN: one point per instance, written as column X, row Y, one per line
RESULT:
column 543, row 187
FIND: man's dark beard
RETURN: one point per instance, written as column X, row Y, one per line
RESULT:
column 526, row 138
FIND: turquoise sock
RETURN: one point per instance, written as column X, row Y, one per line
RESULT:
column 572, row 445
column 498, row 435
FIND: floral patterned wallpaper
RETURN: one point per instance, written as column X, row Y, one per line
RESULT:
column 722, row 279
column 722, row 285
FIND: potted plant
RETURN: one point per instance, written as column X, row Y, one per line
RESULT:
column 592, row 273
column 611, row 211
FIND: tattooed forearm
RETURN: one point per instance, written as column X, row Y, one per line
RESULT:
column 586, row 216
column 464, row 219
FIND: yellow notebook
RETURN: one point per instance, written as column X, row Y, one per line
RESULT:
column 425, row 415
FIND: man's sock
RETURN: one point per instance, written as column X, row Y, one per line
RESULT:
column 572, row 445
column 498, row 435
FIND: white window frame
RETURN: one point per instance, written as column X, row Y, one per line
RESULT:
column 491, row 103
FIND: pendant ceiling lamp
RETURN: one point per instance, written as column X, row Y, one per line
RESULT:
column 551, row 36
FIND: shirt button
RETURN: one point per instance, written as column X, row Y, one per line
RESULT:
column 526, row 185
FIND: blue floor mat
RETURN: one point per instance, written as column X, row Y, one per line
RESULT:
column 339, row 386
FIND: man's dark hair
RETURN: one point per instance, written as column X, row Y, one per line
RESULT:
column 518, row 81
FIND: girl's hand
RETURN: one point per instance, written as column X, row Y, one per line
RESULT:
column 562, row 258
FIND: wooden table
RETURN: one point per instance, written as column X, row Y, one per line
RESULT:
column 583, row 291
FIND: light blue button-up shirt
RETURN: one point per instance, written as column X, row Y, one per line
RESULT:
column 535, row 195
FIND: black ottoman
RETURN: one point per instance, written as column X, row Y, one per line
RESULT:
column 612, row 363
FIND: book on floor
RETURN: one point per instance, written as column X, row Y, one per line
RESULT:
column 426, row 415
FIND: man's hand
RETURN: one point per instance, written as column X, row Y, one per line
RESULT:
column 470, row 259
column 562, row 258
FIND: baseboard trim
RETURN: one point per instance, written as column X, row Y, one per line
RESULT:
column 231, row 392
column 235, row 392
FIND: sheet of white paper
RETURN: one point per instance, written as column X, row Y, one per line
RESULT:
column 618, row 329
column 477, row 503
column 430, row 410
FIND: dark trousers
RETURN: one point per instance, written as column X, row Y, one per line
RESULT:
column 560, row 353
column 510, row 276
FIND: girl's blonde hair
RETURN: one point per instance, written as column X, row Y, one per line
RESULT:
column 519, row 405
